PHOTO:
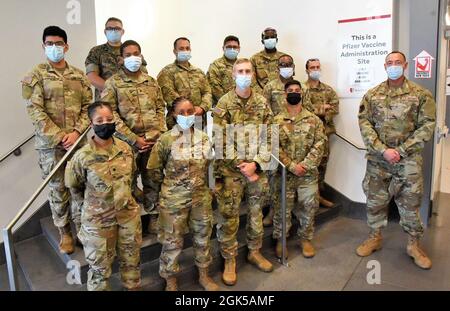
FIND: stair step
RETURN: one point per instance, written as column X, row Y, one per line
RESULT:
column 150, row 248
column 44, row 267
column 41, row 266
column 188, row 275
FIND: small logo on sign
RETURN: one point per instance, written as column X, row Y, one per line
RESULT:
column 422, row 65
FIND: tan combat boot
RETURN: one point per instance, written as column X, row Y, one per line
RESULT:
column 415, row 252
column 308, row 250
column 66, row 241
column 153, row 224
column 171, row 284
column 268, row 220
column 325, row 203
column 372, row 244
column 205, row 281
column 255, row 258
column 229, row 272
column 279, row 249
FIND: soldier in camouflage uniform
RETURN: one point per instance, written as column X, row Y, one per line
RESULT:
column 274, row 90
column 57, row 95
column 275, row 95
column 302, row 140
column 220, row 72
column 179, row 166
column 266, row 61
column 99, row 175
column 183, row 79
column 241, row 177
column 104, row 60
column 396, row 118
column 138, row 106
column 325, row 104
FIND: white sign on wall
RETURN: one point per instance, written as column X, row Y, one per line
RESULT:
column 363, row 44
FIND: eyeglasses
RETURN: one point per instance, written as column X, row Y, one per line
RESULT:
column 57, row 43
column 285, row 65
column 234, row 47
column 113, row 28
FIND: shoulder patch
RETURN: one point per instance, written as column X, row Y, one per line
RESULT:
column 218, row 111
column 361, row 108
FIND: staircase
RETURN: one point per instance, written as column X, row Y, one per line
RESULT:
column 44, row 268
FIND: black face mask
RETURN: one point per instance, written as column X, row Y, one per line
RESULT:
column 294, row 98
column 104, row 131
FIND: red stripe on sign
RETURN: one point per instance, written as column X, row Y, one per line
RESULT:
column 359, row 19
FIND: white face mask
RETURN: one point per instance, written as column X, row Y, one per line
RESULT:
column 185, row 122
column 133, row 63
column 286, row 72
column 270, row 44
column 54, row 53
column 243, row 81
column 315, row 75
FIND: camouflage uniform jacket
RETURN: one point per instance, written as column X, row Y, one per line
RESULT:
column 105, row 61
column 179, row 164
column 176, row 80
column 243, row 116
column 220, row 77
column 320, row 95
column 302, row 140
column 401, row 118
column 137, row 104
column 56, row 103
column 275, row 95
column 103, row 178
column 265, row 66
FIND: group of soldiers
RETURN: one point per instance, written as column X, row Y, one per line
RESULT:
column 154, row 128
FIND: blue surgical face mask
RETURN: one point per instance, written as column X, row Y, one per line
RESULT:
column 270, row 44
column 54, row 53
column 243, row 81
column 394, row 72
column 185, row 122
column 113, row 36
column 315, row 75
column 183, row 56
column 133, row 63
column 231, row 54
column 286, row 72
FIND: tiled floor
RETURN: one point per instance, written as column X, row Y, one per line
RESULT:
column 337, row 267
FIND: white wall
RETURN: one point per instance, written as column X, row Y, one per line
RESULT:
column 305, row 29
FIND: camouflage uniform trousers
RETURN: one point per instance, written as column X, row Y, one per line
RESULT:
column 100, row 245
column 149, row 188
column 302, row 199
column 233, row 191
column 404, row 182
column 59, row 195
column 173, row 225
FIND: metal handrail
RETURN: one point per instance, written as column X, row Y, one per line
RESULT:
column 7, row 231
column 10, row 152
column 350, row 142
column 283, row 210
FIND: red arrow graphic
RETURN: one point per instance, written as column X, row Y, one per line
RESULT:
column 424, row 66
